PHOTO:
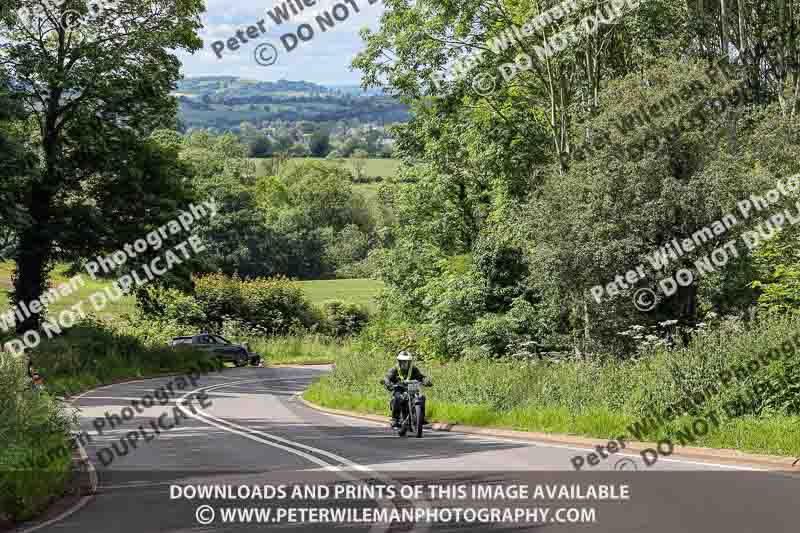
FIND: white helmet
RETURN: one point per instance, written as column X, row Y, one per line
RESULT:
column 404, row 360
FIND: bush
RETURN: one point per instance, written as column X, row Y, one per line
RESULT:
column 171, row 304
column 30, row 425
column 344, row 319
column 272, row 306
column 150, row 330
column 276, row 304
column 219, row 296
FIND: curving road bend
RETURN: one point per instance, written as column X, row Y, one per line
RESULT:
column 246, row 428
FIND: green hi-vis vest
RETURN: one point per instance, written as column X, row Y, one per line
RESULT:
column 400, row 372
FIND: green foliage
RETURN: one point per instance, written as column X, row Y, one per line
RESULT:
column 593, row 398
column 91, row 139
column 778, row 281
column 302, row 348
column 35, row 459
column 326, row 225
column 275, row 305
column 94, row 352
column 320, row 144
column 345, row 249
column 30, row 425
column 171, row 304
column 343, row 319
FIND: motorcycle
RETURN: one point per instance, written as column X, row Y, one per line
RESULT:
column 413, row 408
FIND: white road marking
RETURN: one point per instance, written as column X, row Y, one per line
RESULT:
column 74, row 509
column 212, row 420
column 532, row 443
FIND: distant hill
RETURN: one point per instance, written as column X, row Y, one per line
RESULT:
column 224, row 102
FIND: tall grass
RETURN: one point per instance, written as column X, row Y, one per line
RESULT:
column 593, row 398
column 94, row 353
column 301, row 349
column 34, row 428
column 30, row 425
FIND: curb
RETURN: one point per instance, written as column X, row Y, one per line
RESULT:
column 723, row 456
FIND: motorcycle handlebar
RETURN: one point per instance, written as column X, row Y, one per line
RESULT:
column 401, row 385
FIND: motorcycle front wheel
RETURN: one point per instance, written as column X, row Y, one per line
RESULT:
column 420, row 416
column 409, row 421
column 403, row 429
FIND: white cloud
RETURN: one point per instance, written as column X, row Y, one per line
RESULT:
column 324, row 59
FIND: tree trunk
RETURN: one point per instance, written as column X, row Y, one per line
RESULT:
column 782, row 74
column 35, row 252
column 587, row 337
column 723, row 17
column 742, row 36
column 33, row 260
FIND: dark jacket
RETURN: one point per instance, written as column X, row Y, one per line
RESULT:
column 393, row 376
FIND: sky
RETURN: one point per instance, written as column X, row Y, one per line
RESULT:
column 324, row 58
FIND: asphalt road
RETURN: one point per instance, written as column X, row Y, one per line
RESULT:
column 244, row 430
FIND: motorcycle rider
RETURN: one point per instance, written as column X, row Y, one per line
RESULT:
column 393, row 381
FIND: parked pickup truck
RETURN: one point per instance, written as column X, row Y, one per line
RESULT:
column 222, row 348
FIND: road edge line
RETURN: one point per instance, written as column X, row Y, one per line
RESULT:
column 87, row 485
column 725, row 456
column 91, row 484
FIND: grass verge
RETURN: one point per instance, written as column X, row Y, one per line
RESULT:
column 113, row 309
column 600, row 399
column 300, row 349
column 34, row 426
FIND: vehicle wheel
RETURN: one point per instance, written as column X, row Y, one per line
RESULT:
column 420, row 409
column 403, row 425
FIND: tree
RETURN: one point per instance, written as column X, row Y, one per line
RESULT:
column 509, row 163
column 358, row 160
column 95, row 92
column 240, row 242
column 17, row 164
column 260, row 146
column 299, row 150
column 256, row 140
column 612, row 211
column 320, row 143
column 423, row 40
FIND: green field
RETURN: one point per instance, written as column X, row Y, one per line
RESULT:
column 384, row 168
column 358, row 291
column 126, row 304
